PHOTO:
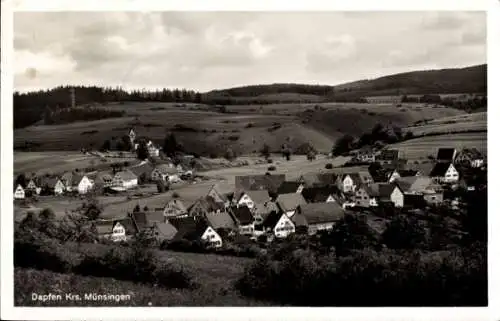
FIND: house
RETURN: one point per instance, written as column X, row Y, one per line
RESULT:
column 32, row 186
column 51, row 185
column 318, row 216
column 309, row 179
column 445, row 172
column 196, row 230
column 115, row 230
column 415, row 184
column 347, row 183
column 218, row 196
column 67, row 179
column 414, row 200
column 104, row 179
column 397, row 173
column 132, row 135
column 365, row 155
column 433, row 197
column 261, row 211
column 203, row 206
column 470, row 157
column 124, row 180
column 290, row 187
column 244, row 219
column 166, row 173
column 174, row 208
column 152, row 149
column 279, row 224
column 320, row 194
column 164, row 230
column 446, row 155
column 221, row 220
column 19, row 192
column 251, row 198
column 373, row 194
column 81, row 183
column 327, row 179
column 144, row 169
column 271, row 183
column 288, row 203
column 388, row 156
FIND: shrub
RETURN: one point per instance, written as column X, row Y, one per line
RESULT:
column 249, row 125
column 271, row 168
column 234, row 137
column 329, row 166
column 269, row 161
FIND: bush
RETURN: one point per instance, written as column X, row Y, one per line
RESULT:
column 271, row 168
column 329, row 166
column 269, row 161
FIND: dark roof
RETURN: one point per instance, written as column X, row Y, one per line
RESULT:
column 155, row 217
column 327, row 178
column 407, row 172
column 177, row 205
column 189, row 228
column 146, row 168
column 389, row 155
column 50, row 182
column 288, row 187
column 126, row 175
column 220, row 220
column 103, row 227
column 258, row 197
column 140, row 220
column 309, row 179
column 272, row 219
column 166, row 231
column 258, row 182
column 414, row 183
column 317, row 194
column 264, row 209
column 128, row 224
column 317, row 213
column 445, row 154
column 382, row 190
column 242, row 214
column 289, row 202
column 440, row 169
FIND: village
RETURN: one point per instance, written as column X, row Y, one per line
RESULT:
column 266, row 206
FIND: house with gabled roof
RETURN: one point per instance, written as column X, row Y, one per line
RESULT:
column 165, row 172
column 279, row 224
column 218, row 196
column 244, row 219
column 258, row 182
column 415, row 184
column 32, row 185
column 191, row 229
column 125, row 180
column 388, row 156
column 397, row 173
column 290, row 187
column 174, row 208
column 320, row 194
column 51, row 185
column 446, row 155
column 144, row 169
column 348, row 182
column 373, row 194
column 19, row 192
column 318, row 216
column 470, row 157
column 445, row 172
column 221, row 220
column 204, row 205
column 288, row 203
column 251, row 198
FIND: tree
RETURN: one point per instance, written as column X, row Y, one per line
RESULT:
column 404, row 232
column 146, row 208
column 106, row 145
column 142, row 151
column 137, row 208
column 142, row 179
column 170, row 145
column 265, row 151
column 21, row 180
column 91, row 209
column 229, row 154
column 343, row 145
column 160, row 185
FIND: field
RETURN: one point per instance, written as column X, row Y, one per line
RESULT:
column 420, row 148
column 216, row 275
column 454, row 124
column 243, row 128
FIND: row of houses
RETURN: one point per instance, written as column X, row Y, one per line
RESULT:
column 119, row 181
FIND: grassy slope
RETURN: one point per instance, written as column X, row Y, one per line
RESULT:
column 216, row 274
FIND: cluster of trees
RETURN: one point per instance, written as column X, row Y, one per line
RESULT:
column 378, row 136
column 69, row 115
column 469, row 104
column 30, row 107
column 257, row 90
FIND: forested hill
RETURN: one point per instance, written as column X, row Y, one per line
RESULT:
column 443, row 81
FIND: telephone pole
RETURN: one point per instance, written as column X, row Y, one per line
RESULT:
column 73, row 97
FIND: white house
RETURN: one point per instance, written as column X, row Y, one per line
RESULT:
column 166, row 173
column 84, row 184
column 445, row 173
column 348, row 183
column 19, row 192
column 211, row 237
column 288, row 203
column 125, row 179
column 153, row 150
column 251, row 198
column 280, row 224
column 118, row 233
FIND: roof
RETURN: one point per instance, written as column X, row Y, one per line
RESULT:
column 258, row 182
column 382, row 190
column 407, row 172
column 165, row 169
column 446, row 154
column 67, row 177
column 166, row 231
column 220, row 220
column 316, row 213
column 272, row 219
column 145, row 168
column 414, row 183
column 140, row 220
column 423, row 168
column 258, row 197
column 317, row 194
column 242, row 214
column 77, row 178
column 310, row 179
column 177, row 205
column 389, row 155
column 126, row 175
column 103, row 227
column 264, row 209
column 47, row 181
column 128, row 224
column 440, row 169
column 208, row 204
column 299, row 220
column 327, row 178
column 356, row 178
column 289, row 202
column 288, row 187
column 155, row 217
column 189, row 229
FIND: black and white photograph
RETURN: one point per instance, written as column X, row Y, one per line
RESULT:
column 249, row 159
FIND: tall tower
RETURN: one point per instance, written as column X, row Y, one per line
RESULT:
column 73, row 97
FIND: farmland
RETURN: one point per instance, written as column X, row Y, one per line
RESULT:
column 462, row 123
column 243, row 128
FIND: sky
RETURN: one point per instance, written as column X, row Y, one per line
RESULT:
column 215, row 50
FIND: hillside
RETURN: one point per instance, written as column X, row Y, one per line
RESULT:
column 443, row 81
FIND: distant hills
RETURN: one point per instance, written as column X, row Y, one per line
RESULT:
column 443, row 81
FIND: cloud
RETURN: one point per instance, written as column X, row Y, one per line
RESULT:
column 207, row 50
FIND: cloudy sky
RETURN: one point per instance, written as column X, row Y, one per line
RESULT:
column 211, row 50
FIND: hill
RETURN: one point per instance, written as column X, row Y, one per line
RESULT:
column 442, row 81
